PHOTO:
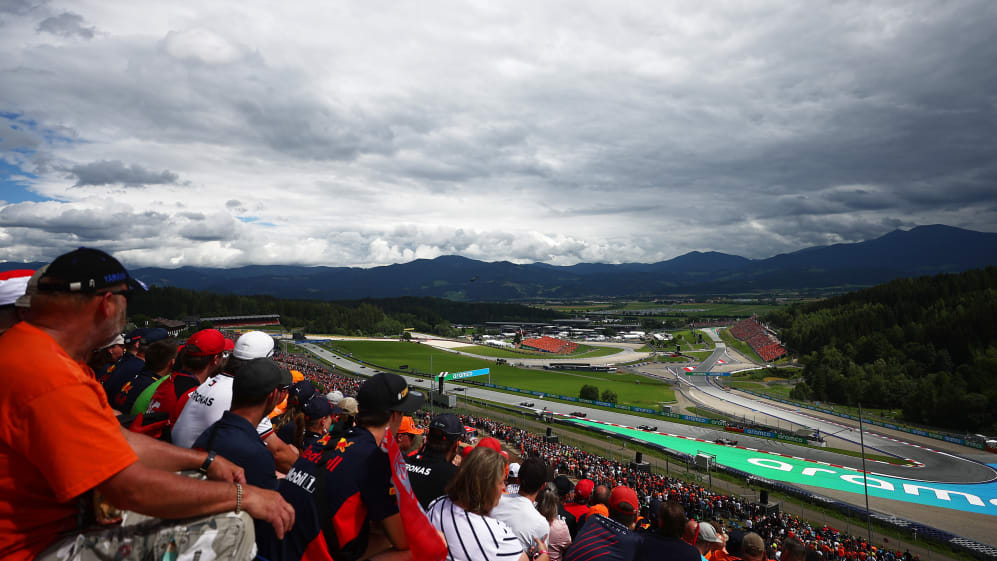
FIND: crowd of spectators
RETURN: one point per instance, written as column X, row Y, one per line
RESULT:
column 758, row 338
column 549, row 345
column 315, row 472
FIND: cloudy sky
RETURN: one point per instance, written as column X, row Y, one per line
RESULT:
column 366, row 133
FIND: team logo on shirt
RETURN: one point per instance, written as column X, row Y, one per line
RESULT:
column 342, row 445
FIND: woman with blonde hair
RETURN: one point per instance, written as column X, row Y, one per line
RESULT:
column 462, row 514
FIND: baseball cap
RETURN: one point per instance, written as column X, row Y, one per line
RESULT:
column 302, row 391
column 624, row 499
column 583, row 489
column 13, row 285
column 514, row 469
column 253, row 344
column 119, row 340
column 154, row 334
column 334, row 397
column 317, row 407
column 563, row 485
column 348, row 405
column 24, row 300
column 135, row 335
column 494, row 444
column 706, row 533
column 229, row 345
column 259, row 377
column 408, row 427
column 86, row 270
column 388, row 391
column 206, row 342
column 448, row 424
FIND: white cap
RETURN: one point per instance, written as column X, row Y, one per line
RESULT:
column 119, row 340
column 334, row 397
column 513, row 469
column 254, row 344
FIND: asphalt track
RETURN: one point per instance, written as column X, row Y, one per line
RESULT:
column 945, row 480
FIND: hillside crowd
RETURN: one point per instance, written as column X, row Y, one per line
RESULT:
column 280, row 458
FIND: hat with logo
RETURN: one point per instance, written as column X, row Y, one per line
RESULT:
column 206, row 342
column 301, row 392
column 317, row 407
column 258, row 378
column 583, row 489
column 408, row 427
column 448, row 424
column 563, row 485
column 135, row 335
column 623, row 499
column 253, row 344
column 13, row 285
column 707, row 533
column 85, row 270
column 388, row 392
column 514, row 469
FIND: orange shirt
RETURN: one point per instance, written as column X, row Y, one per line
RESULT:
column 58, row 439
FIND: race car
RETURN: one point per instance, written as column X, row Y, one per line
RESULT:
column 648, row 428
column 577, row 414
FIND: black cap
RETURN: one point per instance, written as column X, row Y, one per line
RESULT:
column 258, row 378
column 563, row 485
column 135, row 335
column 154, row 334
column 317, row 407
column 302, row 391
column 388, row 392
column 448, row 424
column 85, row 270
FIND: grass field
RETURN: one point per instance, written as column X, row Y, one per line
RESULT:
column 631, row 389
column 583, row 351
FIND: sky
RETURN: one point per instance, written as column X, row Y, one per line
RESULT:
column 339, row 133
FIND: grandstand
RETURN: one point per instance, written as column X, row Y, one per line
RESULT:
column 549, row 345
column 758, row 338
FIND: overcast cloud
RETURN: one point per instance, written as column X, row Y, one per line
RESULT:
column 230, row 133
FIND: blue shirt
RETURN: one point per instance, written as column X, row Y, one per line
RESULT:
column 238, row 442
column 358, row 491
column 123, row 371
column 605, row 539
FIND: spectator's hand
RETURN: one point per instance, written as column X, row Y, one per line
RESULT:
column 224, row 470
column 270, row 507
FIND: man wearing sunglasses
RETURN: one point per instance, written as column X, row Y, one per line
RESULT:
column 61, row 440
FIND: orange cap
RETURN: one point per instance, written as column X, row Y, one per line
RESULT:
column 408, row 427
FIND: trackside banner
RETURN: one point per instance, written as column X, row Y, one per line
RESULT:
column 465, row 374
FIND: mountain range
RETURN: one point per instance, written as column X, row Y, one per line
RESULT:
column 924, row 250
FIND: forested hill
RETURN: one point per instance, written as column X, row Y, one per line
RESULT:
column 366, row 317
column 927, row 344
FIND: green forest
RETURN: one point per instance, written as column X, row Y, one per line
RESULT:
column 361, row 317
column 927, row 345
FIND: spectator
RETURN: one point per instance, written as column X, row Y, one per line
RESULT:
column 13, row 285
column 560, row 537
column 794, row 550
column 335, row 482
column 432, row 468
column 609, row 539
column 260, row 386
column 512, row 481
column 103, row 358
column 407, row 434
column 212, row 398
column 203, row 357
column 462, row 515
column 578, row 507
column 317, row 420
column 667, row 542
column 517, row 510
column 752, row 547
column 290, row 425
column 564, row 487
column 598, row 504
column 707, row 539
column 160, row 356
column 130, row 364
column 80, row 305
column 690, row 532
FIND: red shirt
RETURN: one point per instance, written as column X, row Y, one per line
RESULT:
column 58, row 439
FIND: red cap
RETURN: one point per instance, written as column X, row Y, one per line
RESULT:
column 229, row 345
column 623, row 499
column 494, row 444
column 584, row 488
column 206, row 342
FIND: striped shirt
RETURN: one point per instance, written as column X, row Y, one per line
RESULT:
column 472, row 537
